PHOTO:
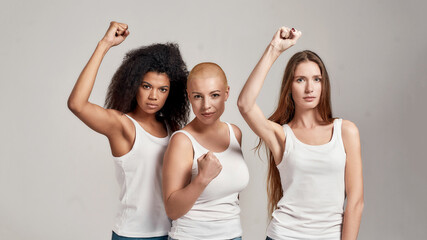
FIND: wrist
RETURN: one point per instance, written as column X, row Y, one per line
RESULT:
column 201, row 181
column 273, row 50
column 104, row 46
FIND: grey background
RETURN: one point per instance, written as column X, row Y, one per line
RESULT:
column 57, row 177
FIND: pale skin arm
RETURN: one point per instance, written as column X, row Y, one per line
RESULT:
column 179, row 192
column 353, row 181
column 270, row 132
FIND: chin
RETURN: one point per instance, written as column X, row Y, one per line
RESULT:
column 151, row 111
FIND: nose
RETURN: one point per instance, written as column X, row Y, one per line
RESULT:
column 206, row 104
column 153, row 95
column 309, row 87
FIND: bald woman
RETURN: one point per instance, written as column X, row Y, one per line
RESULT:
column 204, row 169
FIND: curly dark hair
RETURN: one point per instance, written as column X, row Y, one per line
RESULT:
column 161, row 58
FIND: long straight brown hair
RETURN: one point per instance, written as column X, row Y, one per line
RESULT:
column 285, row 112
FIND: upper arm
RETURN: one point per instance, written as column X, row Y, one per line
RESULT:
column 177, row 164
column 270, row 132
column 353, row 169
column 108, row 122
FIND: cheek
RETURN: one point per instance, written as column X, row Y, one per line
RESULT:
column 296, row 90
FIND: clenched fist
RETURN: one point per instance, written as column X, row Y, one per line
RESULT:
column 209, row 167
column 116, row 34
column 285, row 38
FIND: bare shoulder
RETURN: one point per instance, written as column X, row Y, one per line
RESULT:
column 237, row 133
column 180, row 141
column 349, row 129
column 179, row 152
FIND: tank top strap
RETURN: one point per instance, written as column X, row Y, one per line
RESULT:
column 288, row 137
column 338, row 132
column 233, row 138
column 197, row 148
column 138, row 128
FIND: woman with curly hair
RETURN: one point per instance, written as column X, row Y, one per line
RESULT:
column 146, row 101
column 314, row 158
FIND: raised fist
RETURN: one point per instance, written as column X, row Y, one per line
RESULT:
column 116, row 34
column 285, row 38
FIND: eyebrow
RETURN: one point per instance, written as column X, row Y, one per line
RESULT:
column 152, row 85
column 318, row 76
column 209, row 93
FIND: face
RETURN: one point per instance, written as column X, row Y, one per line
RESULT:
column 153, row 92
column 207, row 96
column 307, row 85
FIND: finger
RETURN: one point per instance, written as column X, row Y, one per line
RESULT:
column 201, row 157
column 123, row 25
column 296, row 35
column 209, row 154
column 126, row 33
column 284, row 32
column 120, row 31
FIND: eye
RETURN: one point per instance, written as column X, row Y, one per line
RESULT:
column 300, row 80
column 146, row 86
column 215, row 95
column 317, row 79
column 163, row 90
column 197, row 96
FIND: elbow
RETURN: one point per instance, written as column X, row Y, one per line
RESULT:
column 243, row 106
column 171, row 214
column 74, row 106
column 356, row 207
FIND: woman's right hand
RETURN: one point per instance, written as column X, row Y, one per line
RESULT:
column 116, row 34
column 285, row 38
column 209, row 167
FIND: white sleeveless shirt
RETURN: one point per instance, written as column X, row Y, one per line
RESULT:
column 216, row 213
column 312, row 178
column 141, row 212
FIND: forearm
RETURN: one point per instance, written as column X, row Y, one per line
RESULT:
column 83, row 87
column 256, row 79
column 351, row 221
column 181, row 201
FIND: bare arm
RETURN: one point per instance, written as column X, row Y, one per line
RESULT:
column 104, row 121
column 353, row 181
column 179, row 191
column 271, row 133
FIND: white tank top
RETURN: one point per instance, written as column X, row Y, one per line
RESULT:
column 216, row 213
column 141, row 212
column 313, row 186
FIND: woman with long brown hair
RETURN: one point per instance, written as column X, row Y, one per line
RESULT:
column 314, row 158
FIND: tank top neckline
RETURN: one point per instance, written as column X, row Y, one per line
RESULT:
column 230, row 130
column 334, row 133
column 156, row 139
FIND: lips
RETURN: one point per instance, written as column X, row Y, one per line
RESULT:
column 152, row 106
column 208, row 114
column 309, row 99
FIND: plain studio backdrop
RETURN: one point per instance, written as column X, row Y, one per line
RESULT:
column 57, row 176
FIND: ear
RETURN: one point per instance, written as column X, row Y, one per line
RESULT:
column 227, row 92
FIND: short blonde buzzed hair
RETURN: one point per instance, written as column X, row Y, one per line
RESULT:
column 206, row 70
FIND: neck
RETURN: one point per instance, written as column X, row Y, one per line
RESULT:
column 306, row 118
column 201, row 127
column 141, row 116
